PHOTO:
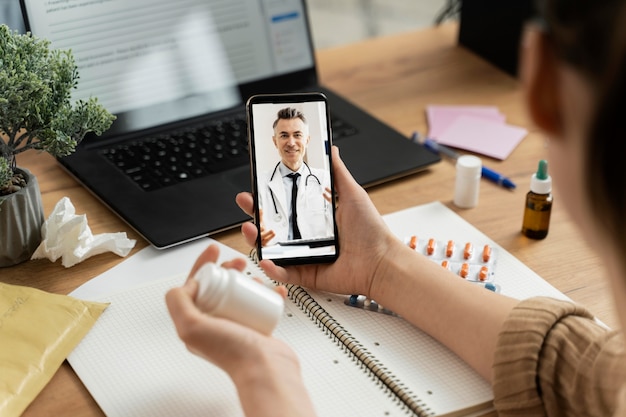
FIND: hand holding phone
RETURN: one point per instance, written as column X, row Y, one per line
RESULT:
column 290, row 141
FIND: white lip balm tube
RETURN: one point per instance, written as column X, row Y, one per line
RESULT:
column 229, row 294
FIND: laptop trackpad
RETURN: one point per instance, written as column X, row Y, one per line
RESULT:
column 239, row 178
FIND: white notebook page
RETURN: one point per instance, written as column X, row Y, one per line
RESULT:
column 449, row 384
column 133, row 363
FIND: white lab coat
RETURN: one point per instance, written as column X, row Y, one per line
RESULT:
column 314, row 212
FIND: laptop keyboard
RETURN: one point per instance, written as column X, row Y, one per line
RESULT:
column 190, row 153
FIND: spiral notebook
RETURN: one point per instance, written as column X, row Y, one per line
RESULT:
column 354, row 362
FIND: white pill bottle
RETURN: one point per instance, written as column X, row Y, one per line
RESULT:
column 467, row 185
column 229, row 294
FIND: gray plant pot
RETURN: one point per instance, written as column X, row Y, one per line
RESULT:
column 21, row 218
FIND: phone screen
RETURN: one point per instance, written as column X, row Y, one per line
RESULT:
column 292, row 178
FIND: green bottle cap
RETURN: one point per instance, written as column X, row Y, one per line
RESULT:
column 540, row 182
column 542, row 170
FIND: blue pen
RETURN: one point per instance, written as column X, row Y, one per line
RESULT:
column 487, row 173
column 499, row 179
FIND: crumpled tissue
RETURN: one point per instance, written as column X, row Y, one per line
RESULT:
column 66, row 235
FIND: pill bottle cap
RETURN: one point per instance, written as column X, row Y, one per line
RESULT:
column 541, row 182
column 468, row 166
column 212, row 286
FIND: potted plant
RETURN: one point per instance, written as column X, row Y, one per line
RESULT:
column 36, row 112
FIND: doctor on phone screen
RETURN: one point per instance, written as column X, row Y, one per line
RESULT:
column 294, row 199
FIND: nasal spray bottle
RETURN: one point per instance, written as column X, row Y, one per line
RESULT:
column 538, row 204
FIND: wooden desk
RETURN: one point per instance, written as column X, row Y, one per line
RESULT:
column 394, row 78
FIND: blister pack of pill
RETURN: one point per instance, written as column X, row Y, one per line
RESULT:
column 361, row 301
column 473, row 262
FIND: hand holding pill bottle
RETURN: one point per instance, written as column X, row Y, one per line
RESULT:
column 229, row 294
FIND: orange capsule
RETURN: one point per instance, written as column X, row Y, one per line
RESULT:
column 445, row 264
column 464, row 272
column 483, row 273
column 413, row 242
column 450, row 248
column 486, row 253
column 469, row 249
column 430, row 248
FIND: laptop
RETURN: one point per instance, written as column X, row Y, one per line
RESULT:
column 177, row 75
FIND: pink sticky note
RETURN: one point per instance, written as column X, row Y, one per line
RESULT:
column 441, row 117
column 482, row 136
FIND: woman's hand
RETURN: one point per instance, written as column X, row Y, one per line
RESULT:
column 364, row 240
column 265, row 370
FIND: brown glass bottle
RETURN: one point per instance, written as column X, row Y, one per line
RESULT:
column 538, row 204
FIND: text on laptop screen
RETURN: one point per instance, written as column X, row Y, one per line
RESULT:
column 156, row 61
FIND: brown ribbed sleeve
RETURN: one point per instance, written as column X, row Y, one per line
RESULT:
column 554, row 359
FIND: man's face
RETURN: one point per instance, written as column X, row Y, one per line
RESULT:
column 291, row 137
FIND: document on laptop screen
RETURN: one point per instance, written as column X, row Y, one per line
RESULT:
column 133, row 55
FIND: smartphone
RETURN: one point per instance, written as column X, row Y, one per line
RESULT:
column 292, row 178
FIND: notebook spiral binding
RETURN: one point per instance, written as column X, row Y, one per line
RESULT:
column 367, row 362
column 349, row 345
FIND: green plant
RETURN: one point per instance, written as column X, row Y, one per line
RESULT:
column 36, row 111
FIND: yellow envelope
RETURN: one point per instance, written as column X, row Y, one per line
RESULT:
column 37, row 332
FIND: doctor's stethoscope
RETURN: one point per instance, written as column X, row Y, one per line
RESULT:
column 277, row 216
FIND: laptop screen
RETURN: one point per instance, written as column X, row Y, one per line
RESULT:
column 152, row 62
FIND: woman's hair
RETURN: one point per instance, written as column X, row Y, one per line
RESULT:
column 590, row 35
